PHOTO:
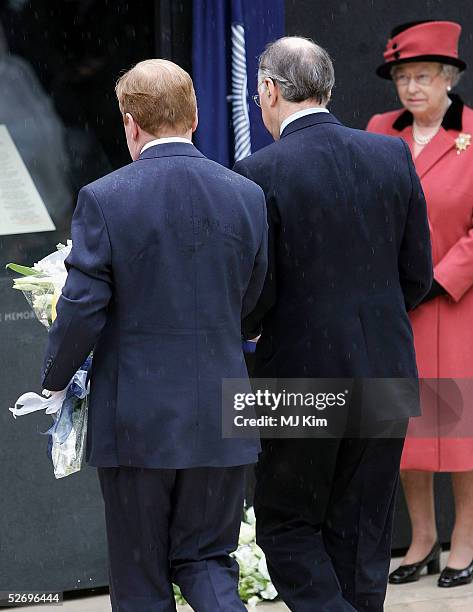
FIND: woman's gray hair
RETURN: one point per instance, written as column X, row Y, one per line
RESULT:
column 452, row 73
column 302, row 69
column 448, row 70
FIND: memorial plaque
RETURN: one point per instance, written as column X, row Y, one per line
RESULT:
column 22, row 211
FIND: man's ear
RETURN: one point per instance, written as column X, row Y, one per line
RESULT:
column 271, row 91
column 132, row 126
column 195, row 123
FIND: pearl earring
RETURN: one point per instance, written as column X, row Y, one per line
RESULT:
column 449, row 88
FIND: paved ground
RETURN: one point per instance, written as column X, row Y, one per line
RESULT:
column 422, row 596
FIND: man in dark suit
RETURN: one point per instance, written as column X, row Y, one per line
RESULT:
column 169, row 252
column 349, row 254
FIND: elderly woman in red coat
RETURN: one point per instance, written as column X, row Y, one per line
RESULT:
column 422, row 60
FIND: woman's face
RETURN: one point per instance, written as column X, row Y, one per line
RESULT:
column 422, row 87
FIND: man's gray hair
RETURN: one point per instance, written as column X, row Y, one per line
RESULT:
column 302, row 69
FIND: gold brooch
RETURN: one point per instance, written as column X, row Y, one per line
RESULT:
column 462, row 142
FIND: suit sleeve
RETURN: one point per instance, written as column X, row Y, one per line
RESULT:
column 258, row 275
column 252, row 322
column 455, row 270
column 82, row 306
column 415, row 255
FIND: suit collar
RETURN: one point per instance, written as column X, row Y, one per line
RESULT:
column 452, row 119
column 308, row 121
column 165, row 140
column 171, row 149
column 301, row 113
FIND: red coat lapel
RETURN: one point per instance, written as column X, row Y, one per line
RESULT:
column 439, row 146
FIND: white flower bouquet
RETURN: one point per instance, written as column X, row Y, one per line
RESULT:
column 255, row 583
column 41, row 285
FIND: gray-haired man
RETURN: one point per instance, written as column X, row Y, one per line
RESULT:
column 349, row 254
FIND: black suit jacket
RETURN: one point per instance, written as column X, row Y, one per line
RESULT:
column 349, row 255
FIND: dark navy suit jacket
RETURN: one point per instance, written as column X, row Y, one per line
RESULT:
column 349, row 255
column 169, row 253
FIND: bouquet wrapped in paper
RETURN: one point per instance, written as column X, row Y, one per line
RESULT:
column 41, row 285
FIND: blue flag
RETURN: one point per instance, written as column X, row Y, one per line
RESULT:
column 228, row 36
column 210, row 73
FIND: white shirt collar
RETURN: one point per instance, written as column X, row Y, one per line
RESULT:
column 158, row 141
column 301, row 113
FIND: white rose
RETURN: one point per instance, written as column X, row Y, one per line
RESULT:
column 250, row 516
column 253, row 601
column 247, row 533
column 269, row 592
column 263, row 569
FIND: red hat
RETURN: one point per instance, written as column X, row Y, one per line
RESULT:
column 422, row 41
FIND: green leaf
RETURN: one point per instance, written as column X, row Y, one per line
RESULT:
column 22, row 269
column 178, row 595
